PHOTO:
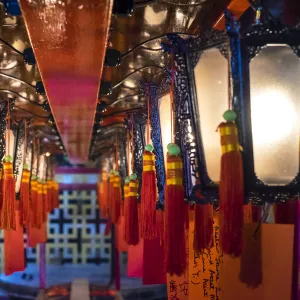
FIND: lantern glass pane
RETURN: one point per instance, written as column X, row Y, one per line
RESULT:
column 211, row 79
column 165, row 121
column 275, row 90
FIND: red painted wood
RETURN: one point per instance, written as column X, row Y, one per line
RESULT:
column 69, row 39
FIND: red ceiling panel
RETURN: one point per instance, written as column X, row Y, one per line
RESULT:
column 69, row 38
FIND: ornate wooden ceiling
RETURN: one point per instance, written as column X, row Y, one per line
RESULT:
column 69, row 40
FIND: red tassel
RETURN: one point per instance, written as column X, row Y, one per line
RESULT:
column 49, row 196
column 14, row 248
column 100, row 196
column 24, row 197
column 33, row 205
column 116, row 200
column 1, row 191
column 231, row 191
column 45, row 201
column 104, row 200
column 176, row 256
column 8, row 216
column 131, row 235
column 55, row 195
column 160, row 225
column 203, row 233
column 39, row 206
column 148, row 197
column 110, row 194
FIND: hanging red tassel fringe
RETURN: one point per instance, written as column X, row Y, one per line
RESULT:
column 148, row 196
column 55, row 195
column 24, row 197
column 203, row 233
column 160, row 225
column 33, row 202
column 1, row 191
column 231, row 190
column 175, row 210
column 8, row 217
column 116, row 200
column 45, row 201
column 104, row 212
column 110, row 193
column 39, row 206
column 14, row 248
column 131, row 235
column 100, row 195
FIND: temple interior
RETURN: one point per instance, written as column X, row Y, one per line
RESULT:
column 149, row 149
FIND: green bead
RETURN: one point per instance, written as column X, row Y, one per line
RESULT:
column 173, row 149
column 112, row 172
column 33, row 177
column 117, row 173
column 149, row 148
column 127, row 179
column 8, row 158
column 25, row 167
column 229, row 115
column 133, row 176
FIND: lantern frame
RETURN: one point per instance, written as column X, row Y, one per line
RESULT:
column 187, row 53
column 140, row 122
column 260, row 36
column 19, row 134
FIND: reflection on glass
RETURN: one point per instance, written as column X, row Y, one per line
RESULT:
column 275, row 90
column 211, row 78
column 165, row 121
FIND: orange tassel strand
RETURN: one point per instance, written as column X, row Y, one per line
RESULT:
column 25, row 196
column 132, row 216
column 33, row 201
column 45, row 201
column 148, row 195
column 55, row 194
column 176, row 214
column 110, row 192
column 231, row 189
column 104, row 200
column 117, row 198
column 100, row 196
column 8, row 219
column 39, row 206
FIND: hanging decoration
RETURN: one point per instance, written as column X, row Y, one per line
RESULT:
column 111, row 192
column 8, row 219
column 175, row 207
column 39, row 197
column 33, row 187
column 24, row 189
column 203, row 232
column 14, row 248
column 148, row 190
column 231, row 190
column 117, row 192
column 104, row 199
column 131, row 234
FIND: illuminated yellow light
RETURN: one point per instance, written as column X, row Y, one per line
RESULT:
column 165, row 122
column 273, row 116
column 48, row 154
